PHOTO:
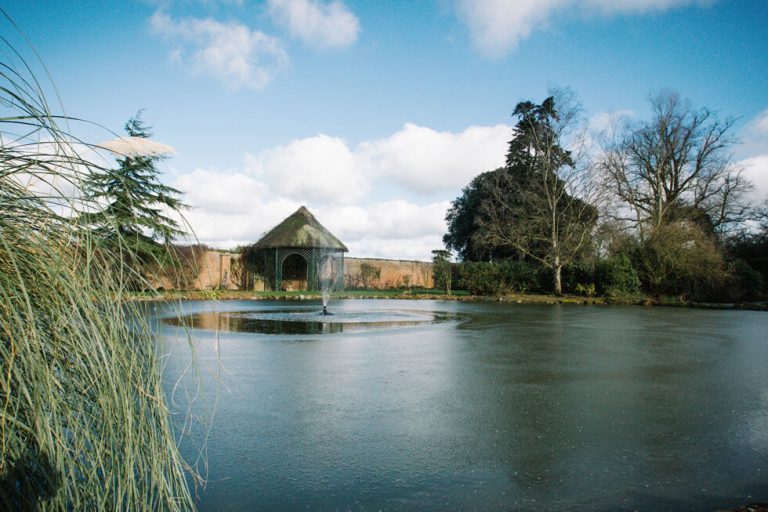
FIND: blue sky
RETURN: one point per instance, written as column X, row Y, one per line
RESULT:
column 375, row 114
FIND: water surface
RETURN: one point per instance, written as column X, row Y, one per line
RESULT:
column 479, row 406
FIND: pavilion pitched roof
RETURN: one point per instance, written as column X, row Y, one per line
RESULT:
column 300, row 230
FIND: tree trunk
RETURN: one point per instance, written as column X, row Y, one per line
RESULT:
column 558, row 279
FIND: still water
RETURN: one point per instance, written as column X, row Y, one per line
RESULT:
column 473, row 406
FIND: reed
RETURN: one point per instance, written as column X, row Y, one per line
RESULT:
column 84, row 424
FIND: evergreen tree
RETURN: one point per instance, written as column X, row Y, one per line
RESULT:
column 463, row 219
column 531, row 170
column 133, row 202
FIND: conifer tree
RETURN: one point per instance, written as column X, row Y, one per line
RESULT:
column 133, row 203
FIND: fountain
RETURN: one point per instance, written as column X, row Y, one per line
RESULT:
column 325, row 272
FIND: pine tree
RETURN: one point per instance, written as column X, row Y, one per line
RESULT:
column 133, row 202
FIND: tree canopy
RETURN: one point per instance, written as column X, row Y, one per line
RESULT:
column 463, row 222
column 675, row 214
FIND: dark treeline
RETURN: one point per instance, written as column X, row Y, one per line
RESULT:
column 657, row 207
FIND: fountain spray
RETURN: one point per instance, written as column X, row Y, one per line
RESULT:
column 326, row 281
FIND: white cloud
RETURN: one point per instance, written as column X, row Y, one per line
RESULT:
column 753, row 151
column 425, row 161
column 317, row 23
column 395, row 229
column 754, row 136
column 230, row 52
column 497, row 26
column 634, row 6
column 230, row 208
column 760, row 123
column 399, row 218
column 320, row 168
column 603, row 127
column 393, row 218
column 221, row 192
column 756, row 171
column 418, row 249
column 53, row 171
column 349, row 223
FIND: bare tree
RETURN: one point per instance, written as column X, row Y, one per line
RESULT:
column 677, row 164
column 542, row 204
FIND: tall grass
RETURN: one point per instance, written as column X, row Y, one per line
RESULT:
column 83, row 421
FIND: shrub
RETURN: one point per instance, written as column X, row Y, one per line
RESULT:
column 681, row 259
column 579, row 277
column 617, row 277
column 746, row 282
column 520, row 276
column 546, row 278
column 493, row 278
column 752, row 249
column 482, row 278
column 586, row 289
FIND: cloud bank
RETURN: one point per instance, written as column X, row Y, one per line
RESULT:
column 384, row 198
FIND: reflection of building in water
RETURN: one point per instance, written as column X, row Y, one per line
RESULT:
column 303, row 321
column 213, row 321
column 239, row 322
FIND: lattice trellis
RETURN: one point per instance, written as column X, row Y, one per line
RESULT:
column 324, row 266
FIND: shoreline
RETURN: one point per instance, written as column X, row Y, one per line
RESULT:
column 518, row 298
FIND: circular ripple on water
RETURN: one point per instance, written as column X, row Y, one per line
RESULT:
column 292, row 321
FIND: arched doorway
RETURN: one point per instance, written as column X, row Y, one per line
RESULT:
column 294, row 272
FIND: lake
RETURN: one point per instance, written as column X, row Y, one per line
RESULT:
column 430, row 405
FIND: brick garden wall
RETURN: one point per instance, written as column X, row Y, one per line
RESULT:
column 218, row 270
column 222, row 270
column 392, row 273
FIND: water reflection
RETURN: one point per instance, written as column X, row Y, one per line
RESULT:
column 302, row 321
